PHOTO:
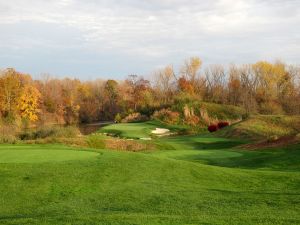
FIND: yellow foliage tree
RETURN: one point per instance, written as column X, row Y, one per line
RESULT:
column 191, row 69
column 29, row 103
column 10, row 86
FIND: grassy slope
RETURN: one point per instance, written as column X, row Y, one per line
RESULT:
column 163, row 187
column 224, row 152
column 223, row 112
column 215, row 111
column 264, row 126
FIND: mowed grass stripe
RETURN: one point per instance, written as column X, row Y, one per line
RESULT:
column 38, row 154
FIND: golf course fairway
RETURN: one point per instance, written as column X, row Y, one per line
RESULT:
column 191, row 180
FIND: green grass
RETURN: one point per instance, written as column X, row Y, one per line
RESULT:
column 41, row 154
column 189, row 180
column 211, row 150
column 219, row 111
column 139, row 130
column 264, row 126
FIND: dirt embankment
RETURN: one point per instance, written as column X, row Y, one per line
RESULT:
column 279, row 142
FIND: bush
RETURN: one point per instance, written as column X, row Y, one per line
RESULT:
column 118, row 118
column 95, row 142
column 126, row 145
column 212, row 128
column 192, row 120
column 45, row 132
column 67, row 132
column 269, row 108
column 134, row 117
column 8, row 133
column 167, row 116
column 77, row 142
column 8, row 139
column 222, row 124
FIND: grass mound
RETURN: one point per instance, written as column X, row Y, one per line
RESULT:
column 264, row 127
column 212, row 110
column 224, row 112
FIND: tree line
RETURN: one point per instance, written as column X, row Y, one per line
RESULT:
column 262, row 87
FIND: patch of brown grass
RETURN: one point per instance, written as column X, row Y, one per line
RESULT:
column 126, row 145
column 272, row 143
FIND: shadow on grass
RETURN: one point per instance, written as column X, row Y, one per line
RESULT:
column 205, row 142
column 225, row 153
column 281, row 159
column 217, row 145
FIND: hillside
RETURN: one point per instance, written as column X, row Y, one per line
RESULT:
column 259, row 127
column 206, row 112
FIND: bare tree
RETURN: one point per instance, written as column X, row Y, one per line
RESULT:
column 216, row 82
column 164, row 83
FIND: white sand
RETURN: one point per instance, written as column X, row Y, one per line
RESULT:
column 160, row 131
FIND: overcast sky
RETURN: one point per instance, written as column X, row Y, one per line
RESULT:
column 113, row 38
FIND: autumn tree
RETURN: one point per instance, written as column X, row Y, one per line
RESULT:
column 70, row 100
column 262, row 87
column 111, row 93
column 29, row 103
column 185, row 85
column 10, row 86
column 164, row 84
column 139, row 88
column 249, row 85
column 189, row 74
column 216, row 83
column 52, row 108
column 91, row 98
column 273, row 81
column 289, row 90
column 191, row 68
column 234, row 86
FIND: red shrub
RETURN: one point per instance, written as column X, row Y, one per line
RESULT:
column 222, row 124
column 212, row 128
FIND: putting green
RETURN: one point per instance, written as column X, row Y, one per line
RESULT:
column 41, row 155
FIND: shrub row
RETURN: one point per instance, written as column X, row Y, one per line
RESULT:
column 215, row 127
column 132, row 117
column 54, row 131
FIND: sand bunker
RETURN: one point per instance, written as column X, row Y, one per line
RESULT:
column 160, row 131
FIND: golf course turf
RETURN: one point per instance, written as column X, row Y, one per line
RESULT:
column 41, row 154
column 198, row 179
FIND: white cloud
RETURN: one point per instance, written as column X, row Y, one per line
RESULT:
column 159, row 30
